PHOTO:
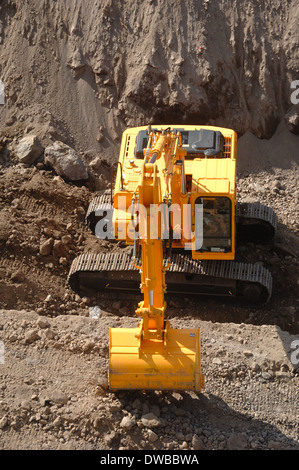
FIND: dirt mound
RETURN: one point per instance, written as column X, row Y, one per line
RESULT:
column 83, row 71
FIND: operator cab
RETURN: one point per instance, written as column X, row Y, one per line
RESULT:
column 201, row 143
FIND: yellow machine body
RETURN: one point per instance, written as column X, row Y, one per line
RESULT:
column 158, row 170
column 204, row 178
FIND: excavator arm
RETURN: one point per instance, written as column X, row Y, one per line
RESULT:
column 153, row 355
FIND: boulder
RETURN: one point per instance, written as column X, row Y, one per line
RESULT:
column 28, row 149
column 65, row 162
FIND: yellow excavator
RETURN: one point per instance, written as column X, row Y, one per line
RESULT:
column 174, row 203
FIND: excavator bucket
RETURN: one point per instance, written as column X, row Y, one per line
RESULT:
column 150, row 364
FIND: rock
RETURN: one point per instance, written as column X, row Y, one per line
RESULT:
column 127, row 423
column 183, row 446
column 26, row 405
column 29, row 149
column 43, row 323
column 196, row 442
column 254, row 445
column 152, row 436
column 59, row 249
column 292, row 119
column 217, row 361
column 46, row 247
column 49, row 334
column 247, row 353
column 145, row 408
column 88, row 345
column 180, row 436
column 57, row 421
column 150, row 420
column 65, row 162
column 283, row 375
column 66, row 239
column 100, row 137
column 77, row 63
column 137, row 405
column 70, row 227
column 110, row 437
column 95, row 164
column 266, row 375
column 179, row 412
column 31, row 336
column 103, row 382
column 59, row 397
column 94, row 312
column 63, row 261
column 3, row 422
column 114, row 407
column 17, row 276
column 275, row 445
column 155, row 410
column 116, row 305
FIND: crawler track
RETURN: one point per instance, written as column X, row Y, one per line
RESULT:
column 255, row 222
column 115, row 272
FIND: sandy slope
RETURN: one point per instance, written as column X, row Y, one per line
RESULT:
column 84, row 70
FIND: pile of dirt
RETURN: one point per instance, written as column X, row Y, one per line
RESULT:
column 82, row 71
